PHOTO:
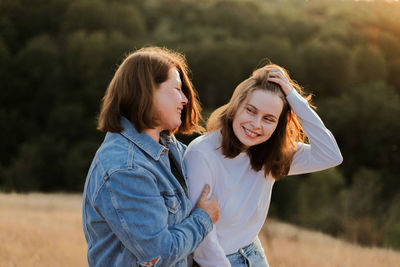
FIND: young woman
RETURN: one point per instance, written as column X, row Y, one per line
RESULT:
column 254, row 140
column 136, row 211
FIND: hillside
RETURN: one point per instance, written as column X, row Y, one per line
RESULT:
column 45, row 230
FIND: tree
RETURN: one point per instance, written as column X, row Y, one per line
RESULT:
column 326, row 213
column 326, row 67
column 369, row 64
column 363, row 122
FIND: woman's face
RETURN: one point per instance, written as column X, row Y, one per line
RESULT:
column 169, row 101
column 257, row 117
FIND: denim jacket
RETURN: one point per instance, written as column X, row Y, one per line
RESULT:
column 135, row 212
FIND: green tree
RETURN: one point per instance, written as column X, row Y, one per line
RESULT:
column 319, row 203
column 100, row 15
column 369, row 64
column 362, row 200
column 362, row 120
column 326, row 68
column 37, row 166
column 38, row 91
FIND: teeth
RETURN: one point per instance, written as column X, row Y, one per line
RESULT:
column 250, row 133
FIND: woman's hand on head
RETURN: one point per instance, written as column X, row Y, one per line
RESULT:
column 277, row 76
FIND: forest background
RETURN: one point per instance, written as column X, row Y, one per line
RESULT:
column 58, row 56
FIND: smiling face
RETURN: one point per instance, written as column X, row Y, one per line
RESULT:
column 257, row 117
column 169, row 101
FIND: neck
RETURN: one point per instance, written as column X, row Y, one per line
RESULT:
column 153, row 133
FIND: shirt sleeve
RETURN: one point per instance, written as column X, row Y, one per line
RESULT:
column 136, row 212
column 323, row 151
column 209, row 253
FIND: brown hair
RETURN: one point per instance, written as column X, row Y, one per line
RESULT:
column 276, row 154
column 130, row 92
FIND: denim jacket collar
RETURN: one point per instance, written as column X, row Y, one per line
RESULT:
column 144, row 141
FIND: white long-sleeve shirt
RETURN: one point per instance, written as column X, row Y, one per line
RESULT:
column 243, row 194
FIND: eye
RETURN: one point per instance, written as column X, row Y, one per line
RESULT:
column 269, row 119
column 250, row 110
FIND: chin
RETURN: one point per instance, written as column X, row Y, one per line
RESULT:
column 176, row 126
column 249, row 143
column 246, row 142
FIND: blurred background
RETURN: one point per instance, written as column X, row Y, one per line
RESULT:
column 58, row 56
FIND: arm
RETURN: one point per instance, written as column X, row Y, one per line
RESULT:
column 322, row 152
column 131, row 204
column 210, row 252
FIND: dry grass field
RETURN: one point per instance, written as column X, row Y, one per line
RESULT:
column 45, row 230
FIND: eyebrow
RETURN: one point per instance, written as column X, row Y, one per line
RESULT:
column 269, row 115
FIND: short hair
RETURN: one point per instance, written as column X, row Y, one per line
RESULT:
column 276, row 154
column 130, row 92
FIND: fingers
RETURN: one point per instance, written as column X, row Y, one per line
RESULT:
column 211, row 205
column 276, row 73
column 277, row 76
column 205, row 192
column 213, row 198
column 275, row 80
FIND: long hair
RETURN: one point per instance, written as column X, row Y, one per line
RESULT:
column 130, row 92
column 276, row 154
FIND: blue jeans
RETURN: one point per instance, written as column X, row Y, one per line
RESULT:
column 249, row 256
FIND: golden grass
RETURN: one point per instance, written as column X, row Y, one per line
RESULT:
column 41, row 230
column 288, row 245
column 45, row 230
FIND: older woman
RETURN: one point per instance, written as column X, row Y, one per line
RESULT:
column 136, row 210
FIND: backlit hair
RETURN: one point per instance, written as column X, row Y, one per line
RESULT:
column 130, row 92
column 274, row 155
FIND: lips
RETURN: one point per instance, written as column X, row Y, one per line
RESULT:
column 250, row 133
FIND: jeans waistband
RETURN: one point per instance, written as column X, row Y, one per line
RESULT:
column 251, row 255
column 245, row 250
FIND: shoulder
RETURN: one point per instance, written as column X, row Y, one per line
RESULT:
column 118, row 153
column 209, row 142
column 113, row 151
column 205, row 148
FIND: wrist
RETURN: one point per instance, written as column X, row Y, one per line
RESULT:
column 288, row 90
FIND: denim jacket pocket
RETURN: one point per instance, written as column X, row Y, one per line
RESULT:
column 172, row 202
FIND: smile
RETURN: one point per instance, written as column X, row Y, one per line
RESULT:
column 250, row 133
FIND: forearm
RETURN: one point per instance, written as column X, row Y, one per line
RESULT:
column 323, row 151
column 140, row 218
column 179, row 241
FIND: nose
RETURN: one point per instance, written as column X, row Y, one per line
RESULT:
column 184, row 99
column 256, row 122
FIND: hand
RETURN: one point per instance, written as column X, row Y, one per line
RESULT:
column 209, row 205
column 277, row 76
